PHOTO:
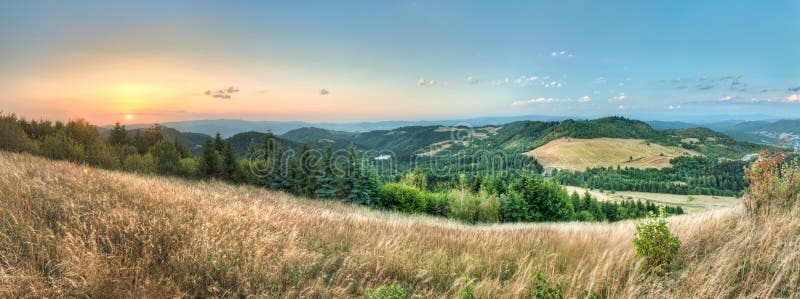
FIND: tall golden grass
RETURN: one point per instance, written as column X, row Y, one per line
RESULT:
column 71, row 231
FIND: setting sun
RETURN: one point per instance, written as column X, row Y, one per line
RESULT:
column 128, row 116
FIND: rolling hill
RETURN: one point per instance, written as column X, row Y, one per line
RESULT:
column 73, row 231
column 440, row 141
column 580, row 154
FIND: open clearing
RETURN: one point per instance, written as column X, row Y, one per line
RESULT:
column 72, row 231
column 690, row 203
column 579, row 154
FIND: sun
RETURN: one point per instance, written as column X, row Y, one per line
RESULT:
column 128, row 116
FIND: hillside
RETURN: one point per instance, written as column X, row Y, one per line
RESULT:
column 765, row 132
column 72, row 231
column 580, row 154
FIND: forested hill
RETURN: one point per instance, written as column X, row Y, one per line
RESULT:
column 513, row 138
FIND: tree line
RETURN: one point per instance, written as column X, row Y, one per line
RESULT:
column 688, row 176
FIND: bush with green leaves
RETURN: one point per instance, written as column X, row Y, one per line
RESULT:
column 468, row 292
column 543, row 288
column 386, row 292
column 655, row 243
column 404, row 198
column 473, row 208
column 774, row 185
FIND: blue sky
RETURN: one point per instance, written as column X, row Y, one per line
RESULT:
column 378, row 60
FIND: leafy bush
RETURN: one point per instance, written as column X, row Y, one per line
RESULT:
column 404, row 198
column 140, row 163
column 386, row 292
column 13, row 137
column 544, row 289
column 187, row 167
column 62, row 147
column 655, row 243
column 468, row 292
column 774, row 184
column 437, row 203
column 473, row 208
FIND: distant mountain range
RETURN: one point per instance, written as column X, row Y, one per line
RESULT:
column 765, row 132
column 230, row 127
column 507, row 133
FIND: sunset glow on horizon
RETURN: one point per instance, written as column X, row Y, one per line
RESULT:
column 126, row 62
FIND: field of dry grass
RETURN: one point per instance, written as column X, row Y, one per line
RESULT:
column 579, row 154
column 690, row 203
column 70, row 231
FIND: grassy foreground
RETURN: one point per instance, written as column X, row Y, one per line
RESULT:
column 66, row 231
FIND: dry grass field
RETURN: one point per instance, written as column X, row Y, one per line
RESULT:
column 71, row 231
column 579, row 154
column 690, row 203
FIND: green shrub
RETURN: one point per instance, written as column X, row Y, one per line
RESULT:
column 140, row 163
column 404, row 198
column 544, row 289
column 386, row 292
column 437, row 203
column 655, row 243
column 187, row 167
column 62, row 147
column 774, row 184
column 473, row 208
column 468, row 292
column 13, row 137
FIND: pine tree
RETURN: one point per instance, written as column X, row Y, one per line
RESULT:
column 209, row 160
column 328, row 184
column 166, row 157
column 306, row 172
column 218, row 144
column 118, row 135
column 351, row 186
column 229, row 162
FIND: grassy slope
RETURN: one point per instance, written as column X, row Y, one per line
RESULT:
column 579, row 154
column 67, row 230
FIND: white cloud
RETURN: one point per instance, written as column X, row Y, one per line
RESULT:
column 621, row 107
column 670, row 107
column 561, row 53
column 618, row 98
column 472, row 80
column 526, row 80
column 423, row 83
column 793, row 98
column 532, row 101
column 584, row 99
column 725, row 98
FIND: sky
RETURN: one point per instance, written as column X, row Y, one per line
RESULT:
column 345, row 61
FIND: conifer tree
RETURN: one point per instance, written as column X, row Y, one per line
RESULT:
column 229, row 163
column 209, row 160
column 328, row 183
column 118, row 135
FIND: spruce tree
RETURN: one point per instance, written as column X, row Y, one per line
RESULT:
column 306, row 172
column 118, row 135
column 209, row 160
column 229, row 162
column 328, row 184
